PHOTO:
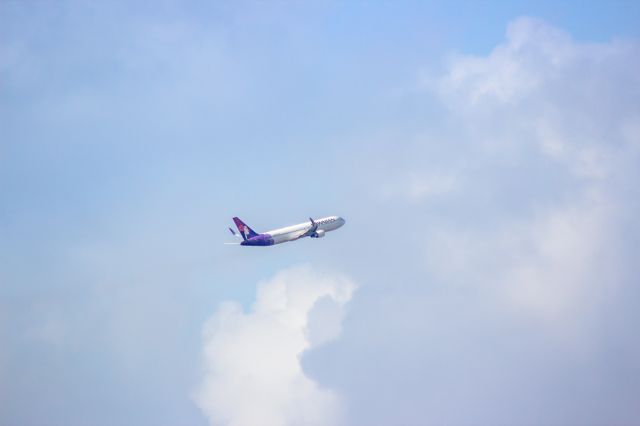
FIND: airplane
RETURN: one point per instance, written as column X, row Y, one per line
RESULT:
column 313, row 229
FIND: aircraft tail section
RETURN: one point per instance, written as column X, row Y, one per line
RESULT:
column 244, row 230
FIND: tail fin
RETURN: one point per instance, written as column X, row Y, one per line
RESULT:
column 245, row 231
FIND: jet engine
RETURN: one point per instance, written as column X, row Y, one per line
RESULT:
column 318, row 234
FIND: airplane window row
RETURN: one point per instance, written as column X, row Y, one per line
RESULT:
column 326, row 221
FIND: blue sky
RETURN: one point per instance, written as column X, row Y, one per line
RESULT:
column 484, row 155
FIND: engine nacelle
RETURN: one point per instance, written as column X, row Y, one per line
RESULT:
column 318, row 234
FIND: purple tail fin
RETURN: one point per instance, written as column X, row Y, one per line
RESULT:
column 245, row 231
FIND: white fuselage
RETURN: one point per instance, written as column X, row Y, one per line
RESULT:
column 290, row 233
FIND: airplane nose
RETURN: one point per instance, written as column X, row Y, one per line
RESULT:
column 341, row 221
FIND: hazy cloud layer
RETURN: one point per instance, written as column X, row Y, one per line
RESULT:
column 491, row 213
column 542, row 105
column 253, row 372
column 517, row 307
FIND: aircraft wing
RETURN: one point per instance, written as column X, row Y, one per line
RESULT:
column 310, row 231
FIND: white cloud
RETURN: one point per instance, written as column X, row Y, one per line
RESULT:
column 548, row 267
column 531, row 280
column 574, row 101
column 512, row 70
column 563, row 113
column 253, row 371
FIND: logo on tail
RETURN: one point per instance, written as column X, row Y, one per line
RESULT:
column 244, row 230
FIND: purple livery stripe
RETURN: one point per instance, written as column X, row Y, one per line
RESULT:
column 258, row 240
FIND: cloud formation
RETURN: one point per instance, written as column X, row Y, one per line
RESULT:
column 252, row 360
column 551, row 267
column 554, row 117
column 577, row 102
column 520, row 304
